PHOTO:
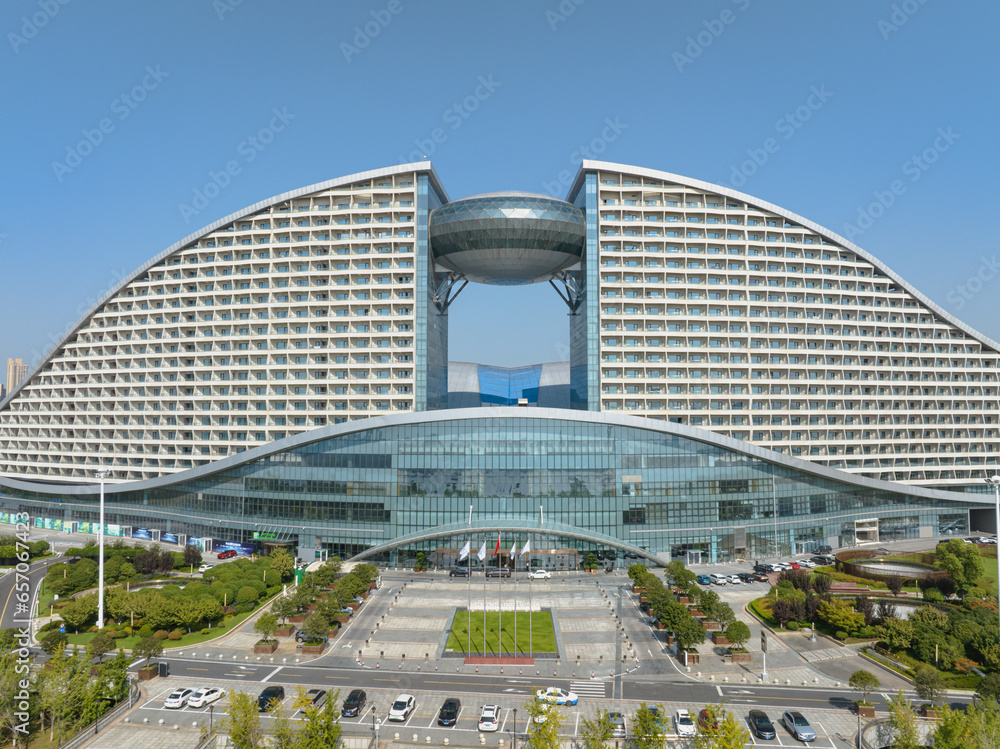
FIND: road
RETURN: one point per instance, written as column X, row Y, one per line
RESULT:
column 10, row 615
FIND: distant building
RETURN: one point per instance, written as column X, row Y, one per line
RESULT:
column 17, row 370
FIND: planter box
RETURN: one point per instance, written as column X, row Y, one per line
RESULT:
column 693, row 659
column 265, row 648
column 284, row 631
column 740, row 657
column 660, row 625
column 643, row 599
column 333, row 632
column 148, row 672
column 720, row 639
column 354, row 605
column 696, row 614
column 342, row 618
column 313, row 649
column 710, row 626
column 670, row 639
column 683, row 599
column 637, row 589
column 297, row 619
column 930, row 711
column 865, row 711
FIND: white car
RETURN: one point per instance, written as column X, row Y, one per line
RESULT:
column 540, row 575
column 683, row 724
column 557, row 696
column 489, row 719
column 718, row 579
column 544, row 714
column 205, row 567
column 402, row 707
column 206, row 696
column 807, row 563
column 178, row 698
column 735, row 580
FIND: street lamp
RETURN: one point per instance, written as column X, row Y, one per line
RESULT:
column 514, row 732
column 102, row 473
column 374, row 726
column 211, row 721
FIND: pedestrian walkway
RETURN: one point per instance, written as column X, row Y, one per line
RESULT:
column 590, row 688
column 827, row 654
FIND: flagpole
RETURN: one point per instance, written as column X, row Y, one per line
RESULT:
column 484, row 599
column 496, row 556
column 513, row 562
column 468, row 566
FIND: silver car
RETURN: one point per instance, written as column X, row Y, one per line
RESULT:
column 798, row 726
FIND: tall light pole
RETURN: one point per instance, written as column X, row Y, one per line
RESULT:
column 514, row 732
column 995, row 483
column 101, row 474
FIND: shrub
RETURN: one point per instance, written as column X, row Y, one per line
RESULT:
column 206, row 631
column 792, row 626
column 145, row 631
column 175, row 634
column 161, row 634
column 933, row 595
column 867, row 633
column 120, row 633
column 247, row 595
column 127, row 631
column 92, row 629
column 841, row 635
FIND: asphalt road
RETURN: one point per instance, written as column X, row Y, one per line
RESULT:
column 10, row 616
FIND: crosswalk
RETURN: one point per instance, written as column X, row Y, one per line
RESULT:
column 590, row 688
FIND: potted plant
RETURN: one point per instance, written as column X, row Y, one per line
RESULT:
column 865, row 683
column 315, row 629
column 148, row 648
column 265, row 626
column 420, row 565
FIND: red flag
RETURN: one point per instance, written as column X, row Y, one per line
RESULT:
column 497, row 550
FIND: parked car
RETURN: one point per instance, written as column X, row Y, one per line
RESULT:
column 611, row 554
column 821, row 561
column 734, row 580
column 794, row 565
column 557, row 696
column 763, row 568
column 458, row 572
column 747, row 577
column 798, row 726
column 268, row 696
column 227, row 554
column 178, row 698
column 658, row 718
column 540, row 575
column 824, row 549
column 718, row 579
column 704, row 580
column 618, row 730
column 316, row 696
column 206, row 696
column 354, row 703
column 448, row 715
column 498, row 572
column 489, row 718
column 683, row 725
column 205, row 567
column 761, row 724
column 706, row 722
column 808, row 563
column 402, row 707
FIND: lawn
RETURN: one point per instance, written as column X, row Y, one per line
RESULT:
column 196, row 637
column 543, row 638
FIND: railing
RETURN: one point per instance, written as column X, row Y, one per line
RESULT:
column 91, row 730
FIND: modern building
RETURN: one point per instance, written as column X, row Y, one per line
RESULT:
column 17, row 370
column 701, row 319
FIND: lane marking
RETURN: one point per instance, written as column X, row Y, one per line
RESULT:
column 268, row 676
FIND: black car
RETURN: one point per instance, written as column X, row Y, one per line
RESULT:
column 458, row 572
column 449, row 712
column 824, row 549
column 763, row 569
column 747, row 577
column 268, row 696
column 761, row 724
column 821, row 560
column 498, row 572
column 354, row 703
column 611, row 554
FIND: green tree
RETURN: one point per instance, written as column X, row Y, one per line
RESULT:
column 597, row 732
column 148, row 648
column 192, row 556
column 11, row 716
column 321, row 728
column 680, row 575
column 952, row 729
column 544, row 734
column 928, row 683
column 738, row 633
column 283, row 733
column 282, row 563
column 284, row 607
column 265, row 625
column 54, row 642
column 648, row 727
column 989, row 687
column 904, row 723
column 730, row 734
column 689, row 632
column 841, row 615
column 247, row 595
column 242, row 721
column 897, row 633
column 316, row 627
column 864, row 682
column 100, row 646
column 80, row 611
column 962, row 561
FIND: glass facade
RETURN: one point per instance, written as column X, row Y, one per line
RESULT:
column 418, row 482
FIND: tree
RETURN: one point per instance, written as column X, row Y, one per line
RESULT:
column 284, row 607
column 689, row 632
column 316, row 627
column 102, row 644
column 864, row 682
column 321, row 728
column 544, row 734
column 895, row 584
column 596, row 732
column 928, row 683
column 989, row 687
column 242, row 721
column 904, row 723
column 840, row 615
column 962, row 561
column 13, row 720
column 282, row 563
column 730, row 734
column 54, row 642
column 80, row 611
column 738, row 633
column 148, row 648
column 648, row 729
column 265, row 625
column 821, row 583
column 897, row 633
column 192, row 555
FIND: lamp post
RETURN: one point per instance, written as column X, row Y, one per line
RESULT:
column 994, row 481
column 374, row 726
column 211, row 717
column 514, row 731
column 101, row 474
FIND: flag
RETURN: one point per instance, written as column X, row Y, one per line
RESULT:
column 513, row 549
column 527, row 547
column 482, row 552
column 465, row 550
column 496, row 551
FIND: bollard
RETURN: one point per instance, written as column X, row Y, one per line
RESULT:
column 145, row 720
column 435, row 667
column 428, row 740
column 711, row 677
column 160, row 721
column 194, row 724
column 377, row 665
column 399, row 666
column 418, row 667
column 725, row 679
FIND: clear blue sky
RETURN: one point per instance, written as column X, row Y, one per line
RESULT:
column 696, row 86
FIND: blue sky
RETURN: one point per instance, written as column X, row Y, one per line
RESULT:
column 854, row 95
